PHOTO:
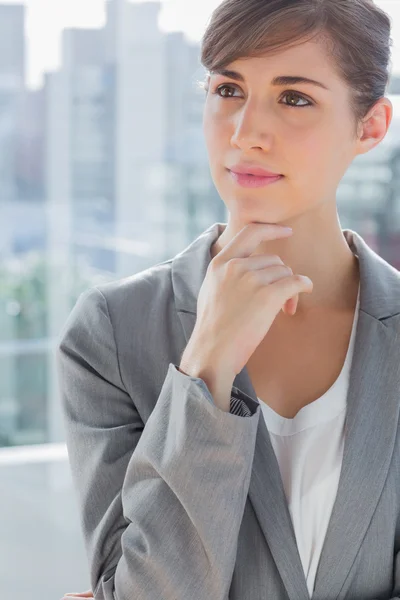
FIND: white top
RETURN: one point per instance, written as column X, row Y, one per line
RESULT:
column 309, row 451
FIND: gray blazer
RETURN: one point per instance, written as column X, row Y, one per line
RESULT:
column 180, row 500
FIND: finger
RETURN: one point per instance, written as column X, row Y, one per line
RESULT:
column 249, row 238
column 287, row 287
column 293, row 304
column 289, row 308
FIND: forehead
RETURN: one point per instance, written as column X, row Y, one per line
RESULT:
column 309, row 58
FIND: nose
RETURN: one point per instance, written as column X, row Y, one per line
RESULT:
column 252, row 128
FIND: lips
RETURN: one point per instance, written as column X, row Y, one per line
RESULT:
column 256, row 175
column 253, row 170
column 253, row 181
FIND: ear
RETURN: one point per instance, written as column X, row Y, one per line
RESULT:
column 375, row 125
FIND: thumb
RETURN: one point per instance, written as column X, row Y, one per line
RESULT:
column 290, row 306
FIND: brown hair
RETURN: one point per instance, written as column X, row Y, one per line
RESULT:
column 356, row 34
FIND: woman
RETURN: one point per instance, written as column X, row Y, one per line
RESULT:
column 185, row 491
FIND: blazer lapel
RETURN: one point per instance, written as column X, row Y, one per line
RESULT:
column 370, row 429
column 267, row 495
column 371, row 422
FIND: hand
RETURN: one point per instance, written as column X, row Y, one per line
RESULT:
column 70, row 595
column 239, row 299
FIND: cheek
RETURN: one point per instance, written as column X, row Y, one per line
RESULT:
column 320, row 152
column 215, row 133
column 207, row 129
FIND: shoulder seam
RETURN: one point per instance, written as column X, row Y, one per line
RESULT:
column 114, row 338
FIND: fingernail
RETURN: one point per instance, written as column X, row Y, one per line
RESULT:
column 306, row 279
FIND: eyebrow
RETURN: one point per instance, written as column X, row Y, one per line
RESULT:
column 279, row 80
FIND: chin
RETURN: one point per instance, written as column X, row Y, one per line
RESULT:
column 247, row 215
column 254, row 203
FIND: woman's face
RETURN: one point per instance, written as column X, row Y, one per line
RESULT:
column 299, row 130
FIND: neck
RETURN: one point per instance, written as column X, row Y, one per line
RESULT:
column 318, row 249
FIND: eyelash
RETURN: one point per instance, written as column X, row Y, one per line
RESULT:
column 287, row 92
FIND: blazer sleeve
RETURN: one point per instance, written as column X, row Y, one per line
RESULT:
column 160, row 504
column 238, row 404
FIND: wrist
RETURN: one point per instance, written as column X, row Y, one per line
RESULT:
column 205, row 363
column 217, row 378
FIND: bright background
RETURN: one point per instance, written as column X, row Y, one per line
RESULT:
column 103, row 172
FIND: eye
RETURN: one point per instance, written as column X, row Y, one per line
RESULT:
column 222, row 87
column 290, row 93
column 296, row 95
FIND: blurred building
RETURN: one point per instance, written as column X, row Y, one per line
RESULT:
column 115, row 140
column 192, row 200
column 12, row 41
column 394, row 84
column 12, row 81
column 127, row 175
column 125, row 153
column 29, row 167
column 136, row 50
